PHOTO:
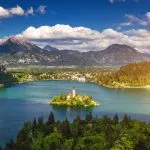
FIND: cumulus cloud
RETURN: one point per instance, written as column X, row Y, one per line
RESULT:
column 19, row 11
column 4, row 13
column 86, row 39
column 16, row 11
column 42, row 9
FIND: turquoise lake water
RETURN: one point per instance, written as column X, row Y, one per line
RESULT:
column 29, row 100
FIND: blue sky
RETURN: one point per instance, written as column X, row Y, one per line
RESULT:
column 95, row 14
column 98, row 15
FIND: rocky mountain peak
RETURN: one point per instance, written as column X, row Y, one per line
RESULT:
column 120, row 48
column 17, row 40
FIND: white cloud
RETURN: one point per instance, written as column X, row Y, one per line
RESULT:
column 30, row 11
column 17, row 11
column 113, row 1
column 42, row 9
column 123, row 25
column 144, row 21
column 4, row 13
column 133, row 20
column 148, row 15
column 85, row 39
column 138, row 33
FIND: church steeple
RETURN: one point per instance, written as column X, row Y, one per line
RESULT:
column 73, row 91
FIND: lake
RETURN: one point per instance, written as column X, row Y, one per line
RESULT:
column 29, row 100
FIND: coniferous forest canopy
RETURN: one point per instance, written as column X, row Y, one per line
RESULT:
column 82, row 134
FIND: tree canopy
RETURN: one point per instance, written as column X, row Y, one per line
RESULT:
column 83, row 134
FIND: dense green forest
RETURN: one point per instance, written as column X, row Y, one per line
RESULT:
column 83, row 134
column 6, row 78
column 137, row 74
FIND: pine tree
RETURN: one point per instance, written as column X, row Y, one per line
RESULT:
column 51, row 118
column 34, row 124
column 10, row 145
column 116, row 119
column 40, row 122
column 125, row 120
column 89, row 117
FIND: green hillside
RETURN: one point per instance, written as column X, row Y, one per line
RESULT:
column 137, row 74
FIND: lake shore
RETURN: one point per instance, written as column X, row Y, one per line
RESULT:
column 117, row 86
column 126, row 86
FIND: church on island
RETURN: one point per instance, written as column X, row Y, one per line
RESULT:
column 73, row 100
column 73, row 94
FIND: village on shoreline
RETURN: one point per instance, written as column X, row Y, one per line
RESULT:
column 109, row 77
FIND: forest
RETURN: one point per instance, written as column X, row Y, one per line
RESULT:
column 82, row 134
column 6, row 78
column 132, row 75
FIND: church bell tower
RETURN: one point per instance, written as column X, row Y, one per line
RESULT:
column 73, row 92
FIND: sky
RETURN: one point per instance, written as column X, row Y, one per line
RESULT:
column 78, row 24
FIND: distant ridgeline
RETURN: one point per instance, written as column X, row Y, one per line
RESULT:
column 131, row 75
column 6, row 78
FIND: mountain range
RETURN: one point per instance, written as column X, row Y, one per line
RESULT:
column 17, row 51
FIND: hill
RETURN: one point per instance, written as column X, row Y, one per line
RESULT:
column 131, row 75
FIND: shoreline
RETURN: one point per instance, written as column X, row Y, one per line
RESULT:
column 99, row 84
column 127, row 87
column 121, row 87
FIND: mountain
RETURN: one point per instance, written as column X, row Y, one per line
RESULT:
column 15, row 44
column 117, row 54
column 18, row 51
column 50, row 48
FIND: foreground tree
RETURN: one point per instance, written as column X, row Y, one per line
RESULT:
column 91, row 133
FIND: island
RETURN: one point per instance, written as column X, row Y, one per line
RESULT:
column 73, row 100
